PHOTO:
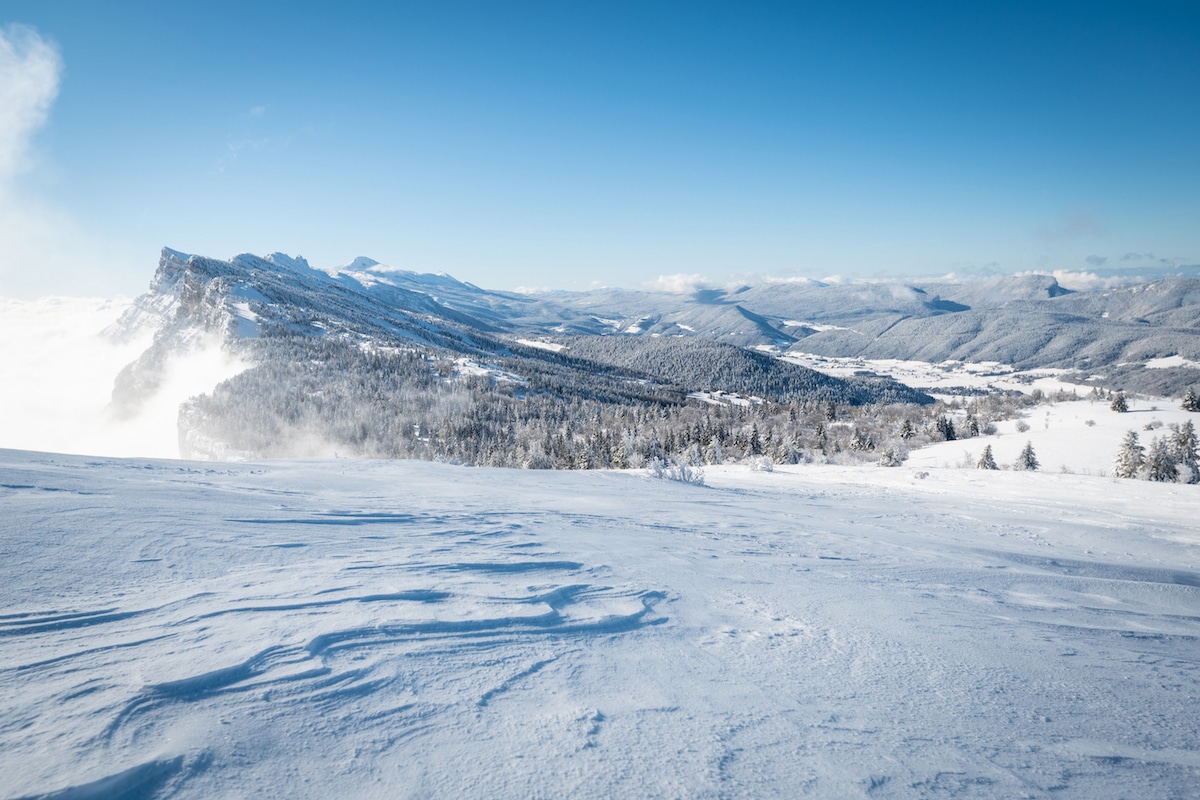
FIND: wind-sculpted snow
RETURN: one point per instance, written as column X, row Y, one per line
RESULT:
column 407, row 629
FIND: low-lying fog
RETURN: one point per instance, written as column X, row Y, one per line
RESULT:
column 57, row 371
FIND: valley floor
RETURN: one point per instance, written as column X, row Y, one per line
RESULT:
column 401, row 629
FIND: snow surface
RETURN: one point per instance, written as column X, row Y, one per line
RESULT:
column 1167, row 362
column 1080, row 436
column 553, row 347
column 944, row 375
column 401, row 629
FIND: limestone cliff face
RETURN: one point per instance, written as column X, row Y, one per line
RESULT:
column 189, row 304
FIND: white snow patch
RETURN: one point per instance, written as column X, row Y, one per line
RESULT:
column 943, row 375
column 247, row 321
column 553, row 347
column 1171, row 361
column 816, row 326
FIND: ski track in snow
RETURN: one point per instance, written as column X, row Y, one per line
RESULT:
column 399, row 629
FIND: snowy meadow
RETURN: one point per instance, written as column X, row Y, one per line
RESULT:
column 407, row 629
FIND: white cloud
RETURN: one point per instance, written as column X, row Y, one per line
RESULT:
column 37, row 241
column 792, row 279
column 29, row 72
column 43, row 250
column 679, row 283
column 1081, row 281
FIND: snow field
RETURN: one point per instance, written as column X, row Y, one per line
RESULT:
column 1081, row 436
column 402, row 629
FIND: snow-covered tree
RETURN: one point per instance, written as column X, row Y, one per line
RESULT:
column 1129, row 457
column 861, row 442
column 1119, row 403
column 1160, row 463
column 1190, row 401
column 754, row 446
column 972, row 425
column 1183, row 448
column 893, row 456
column 945, row 429
column 1027, row 460
column 987, row 460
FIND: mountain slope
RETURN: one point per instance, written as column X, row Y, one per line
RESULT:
column 372, row 361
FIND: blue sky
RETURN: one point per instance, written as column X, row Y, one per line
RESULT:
column 565, row 144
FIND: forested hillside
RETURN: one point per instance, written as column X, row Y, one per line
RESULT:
column 368, row 360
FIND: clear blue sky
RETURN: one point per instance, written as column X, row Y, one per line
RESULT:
column 559, row 144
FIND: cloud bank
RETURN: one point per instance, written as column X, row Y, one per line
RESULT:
column 57, row 371
column 679, row 283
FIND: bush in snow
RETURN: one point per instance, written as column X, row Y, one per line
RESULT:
column 893, row 456
column 761, row 464
column 676, row 471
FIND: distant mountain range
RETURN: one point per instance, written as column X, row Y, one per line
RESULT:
column 1026, row 321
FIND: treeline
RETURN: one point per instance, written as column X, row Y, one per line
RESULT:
column 1171, row 458
column 312, row 396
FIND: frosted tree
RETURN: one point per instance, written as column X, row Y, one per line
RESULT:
column 1190, row 401
column 1160, row 463
column 1027, row 460
column 972, row 425
column 1119, row 404
column 1184, row 450
column 987, row 460
column 754, row 447
column 1129, row 457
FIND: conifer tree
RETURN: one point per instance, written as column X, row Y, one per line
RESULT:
column 1184, row 451
column 1190, row 401
column 1119, row 403
column 1027, row 460
column 1160, row 464
column 754, row 448
column 1129, row 457
column 987, row 460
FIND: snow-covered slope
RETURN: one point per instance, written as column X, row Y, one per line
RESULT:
column 1028, row 320
column 399, row 629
